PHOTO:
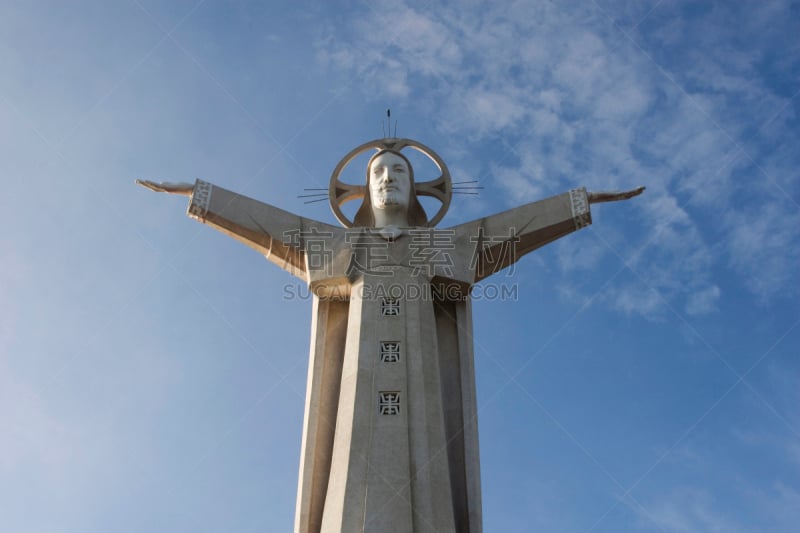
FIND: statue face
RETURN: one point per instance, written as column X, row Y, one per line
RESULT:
column 389, row 182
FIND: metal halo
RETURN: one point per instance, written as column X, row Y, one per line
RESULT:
column 440, row 188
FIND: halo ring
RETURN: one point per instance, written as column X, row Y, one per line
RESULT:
column 440, row 188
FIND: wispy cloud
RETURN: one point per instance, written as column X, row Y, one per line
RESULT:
column 553, row 95
column 762, row 246
column 690, row 509
column 703, row 301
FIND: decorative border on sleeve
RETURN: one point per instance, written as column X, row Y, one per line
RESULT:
column 201, row 200
column 579, row 201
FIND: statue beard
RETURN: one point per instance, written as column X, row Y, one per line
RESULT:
column 390, row 199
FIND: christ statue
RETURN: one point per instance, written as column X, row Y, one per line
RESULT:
column 390, row 438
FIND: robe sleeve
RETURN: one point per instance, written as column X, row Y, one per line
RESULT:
column 502, row 239
column 273, row 232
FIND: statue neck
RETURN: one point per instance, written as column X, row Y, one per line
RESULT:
column 390, row 217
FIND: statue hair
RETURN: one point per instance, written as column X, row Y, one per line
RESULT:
column 416, row 214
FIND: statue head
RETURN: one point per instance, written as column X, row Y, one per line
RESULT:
column 396, row 205
column 390, row 193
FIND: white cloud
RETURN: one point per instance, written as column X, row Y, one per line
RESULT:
column 578, row 103
column 574, row 256
column 687, row 511
column 492, row 110
column 521, row 186
column 703, row 301
column 638, row 299
column 762, row 247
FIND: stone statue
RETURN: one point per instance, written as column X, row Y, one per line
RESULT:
column 390, row 440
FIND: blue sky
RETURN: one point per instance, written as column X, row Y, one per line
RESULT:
column 152, row 373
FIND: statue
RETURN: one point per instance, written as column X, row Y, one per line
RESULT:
column 390, row 439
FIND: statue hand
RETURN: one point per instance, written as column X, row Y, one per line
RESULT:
column 615, row 196
column 184, row 189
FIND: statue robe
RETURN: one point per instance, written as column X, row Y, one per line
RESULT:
column 390, row 438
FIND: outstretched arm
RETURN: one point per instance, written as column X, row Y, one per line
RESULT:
column 184, row 189
column 502, row 239
column 260, row 226
column 614, row 196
